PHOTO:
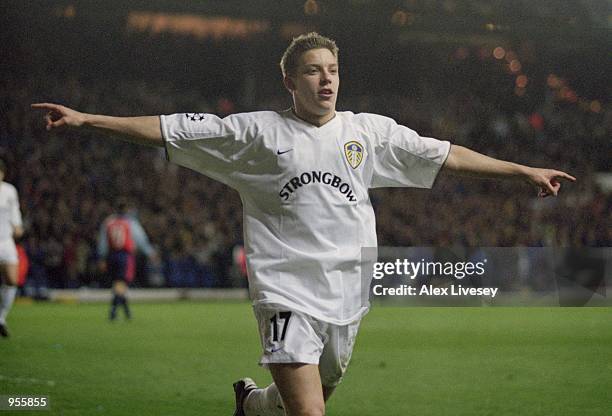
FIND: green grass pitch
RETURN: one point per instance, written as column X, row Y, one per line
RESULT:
column 181, row 359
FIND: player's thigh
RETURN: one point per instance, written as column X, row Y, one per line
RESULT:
column 300, row 388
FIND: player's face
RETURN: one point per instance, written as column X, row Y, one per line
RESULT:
column 315, row 86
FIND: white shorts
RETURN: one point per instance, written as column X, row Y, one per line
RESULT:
column 8, row 252
column 293, row 337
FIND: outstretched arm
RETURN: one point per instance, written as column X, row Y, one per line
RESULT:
column 140, row 130
column 464, row 161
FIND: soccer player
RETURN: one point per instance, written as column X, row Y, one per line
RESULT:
column 303, row 175
column 121, row 235
column 11, row 227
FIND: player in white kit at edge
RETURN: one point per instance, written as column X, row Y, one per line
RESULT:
column 303, row 176
column 10, row 227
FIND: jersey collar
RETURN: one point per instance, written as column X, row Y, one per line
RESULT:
column 332, row 121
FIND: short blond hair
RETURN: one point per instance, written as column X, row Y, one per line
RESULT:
column 301, row 44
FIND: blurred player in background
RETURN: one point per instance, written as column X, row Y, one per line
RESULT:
column 303, row 176
column 11, row 227
column 121, row 237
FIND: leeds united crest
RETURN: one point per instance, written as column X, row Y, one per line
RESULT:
column 354, row 153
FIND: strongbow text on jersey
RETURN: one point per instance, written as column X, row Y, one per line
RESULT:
column 314, row 176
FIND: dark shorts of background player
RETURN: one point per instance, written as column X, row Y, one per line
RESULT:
column 121, row 266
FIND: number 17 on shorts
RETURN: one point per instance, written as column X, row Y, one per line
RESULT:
column 289, row 337
column 274, row 329
column 275, row 336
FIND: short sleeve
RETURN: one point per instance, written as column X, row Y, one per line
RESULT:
column 205, row 143
column 402, row 158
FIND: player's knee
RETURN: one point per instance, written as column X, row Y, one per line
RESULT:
column 10, row 280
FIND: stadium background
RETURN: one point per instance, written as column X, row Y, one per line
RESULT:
column 528, row 83
column 525, row 81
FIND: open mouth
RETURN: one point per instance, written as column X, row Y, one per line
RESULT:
column 326, row 93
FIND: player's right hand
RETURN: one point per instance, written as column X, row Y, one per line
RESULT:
column 60, row 116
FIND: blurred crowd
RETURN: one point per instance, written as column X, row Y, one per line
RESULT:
column 68, row 182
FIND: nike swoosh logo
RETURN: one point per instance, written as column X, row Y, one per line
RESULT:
column 276, row 349
column 278, row 152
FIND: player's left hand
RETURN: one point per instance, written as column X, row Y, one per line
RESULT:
column 547, row 180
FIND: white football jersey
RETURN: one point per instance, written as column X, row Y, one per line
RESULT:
column 304, row 190
column 10, row 216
